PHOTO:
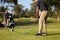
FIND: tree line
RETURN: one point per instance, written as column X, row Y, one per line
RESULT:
column 53, row 6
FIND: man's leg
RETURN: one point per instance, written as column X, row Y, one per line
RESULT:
column 45, row 24
column 41, row 19
column 44, row 27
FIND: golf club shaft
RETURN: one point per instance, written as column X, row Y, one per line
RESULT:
column 30, row 27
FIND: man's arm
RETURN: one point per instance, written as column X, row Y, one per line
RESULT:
column 37, row 11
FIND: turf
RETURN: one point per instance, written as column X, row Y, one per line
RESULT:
column 53, row 30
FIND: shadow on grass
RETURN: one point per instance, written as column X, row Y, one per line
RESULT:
column 50, row 22
column 53, row 34
column 28, row 23
column 25, row 23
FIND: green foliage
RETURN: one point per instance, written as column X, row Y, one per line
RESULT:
column 10, row 1
column 2, row 9
column 18, row 8
column 24, row 13
column 32, row 10
column 51, row 3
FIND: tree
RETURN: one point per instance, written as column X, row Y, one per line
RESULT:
column 2, row 10
column 18, row 8
column 24, row 13
column 9, row 1
column 57, row 6
column 32, row 10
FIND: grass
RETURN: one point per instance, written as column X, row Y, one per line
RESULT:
column 53, row 30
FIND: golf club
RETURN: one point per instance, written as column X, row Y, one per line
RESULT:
column 30, row 27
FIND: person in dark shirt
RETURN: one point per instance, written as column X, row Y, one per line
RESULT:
column 6, row 18
column 41, row 10
column 42, row 5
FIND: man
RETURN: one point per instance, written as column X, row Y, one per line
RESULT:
column 41, row 10
column 6, row 18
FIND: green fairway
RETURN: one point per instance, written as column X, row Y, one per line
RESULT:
column 53, row 30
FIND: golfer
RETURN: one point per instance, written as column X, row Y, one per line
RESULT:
column 41, row 10
column 6, row 18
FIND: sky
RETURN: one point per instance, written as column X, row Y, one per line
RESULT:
column 25, row 3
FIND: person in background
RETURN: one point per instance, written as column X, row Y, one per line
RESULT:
column 6, row 18
column 41, row 9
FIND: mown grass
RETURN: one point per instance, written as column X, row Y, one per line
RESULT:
column 53, row 30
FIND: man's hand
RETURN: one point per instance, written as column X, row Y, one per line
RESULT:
column 37, row 12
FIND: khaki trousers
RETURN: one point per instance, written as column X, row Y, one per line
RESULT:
column 42, row 22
